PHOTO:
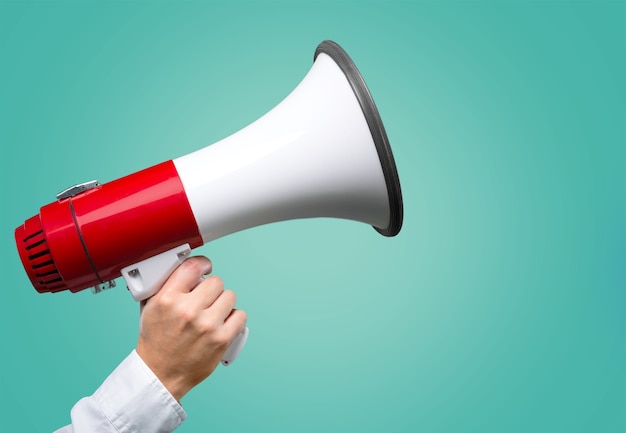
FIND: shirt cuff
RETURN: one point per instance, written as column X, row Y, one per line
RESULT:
column 133, row 399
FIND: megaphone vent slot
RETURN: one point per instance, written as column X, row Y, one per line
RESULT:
column 46, row 274
column 29, row 237
column 39, row 254
column 36, row 244
column 377, row 130
column 41, row 265
column 56, row 280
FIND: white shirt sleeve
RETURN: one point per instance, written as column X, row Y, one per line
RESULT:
column 130, row 400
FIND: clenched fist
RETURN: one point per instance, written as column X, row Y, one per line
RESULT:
column 187, row 326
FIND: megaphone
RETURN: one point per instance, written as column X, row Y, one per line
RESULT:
column 322, row 152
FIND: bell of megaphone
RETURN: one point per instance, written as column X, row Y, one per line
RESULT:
column 322, row 152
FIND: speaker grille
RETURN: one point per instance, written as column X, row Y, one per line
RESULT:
column 36, row 257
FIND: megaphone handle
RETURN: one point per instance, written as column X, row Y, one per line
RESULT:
column 235, row 347
column 145, row 278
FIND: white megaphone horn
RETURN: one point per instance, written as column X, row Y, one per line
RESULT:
column 322, row 152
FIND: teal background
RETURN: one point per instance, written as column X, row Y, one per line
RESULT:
column 500, row 307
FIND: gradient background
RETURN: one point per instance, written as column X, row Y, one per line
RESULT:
column 500, row 307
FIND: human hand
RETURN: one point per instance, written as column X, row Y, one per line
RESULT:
column 187, row 326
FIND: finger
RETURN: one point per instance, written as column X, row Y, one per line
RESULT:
column 235, row 322
column 187, row 275
column 222, row 306
column 207, row 291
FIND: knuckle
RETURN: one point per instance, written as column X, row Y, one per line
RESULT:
column 166, row 300
column 215, row 281
column 221, row 339
column 207, row 327
column 230, row 296
column 185, row 314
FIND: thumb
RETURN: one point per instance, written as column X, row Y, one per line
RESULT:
column 187, row 275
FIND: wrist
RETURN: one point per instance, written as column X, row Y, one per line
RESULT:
column 173, row 383
column 176, row 387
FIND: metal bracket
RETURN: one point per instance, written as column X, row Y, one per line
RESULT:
column 102, row 286
column 77, row 189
